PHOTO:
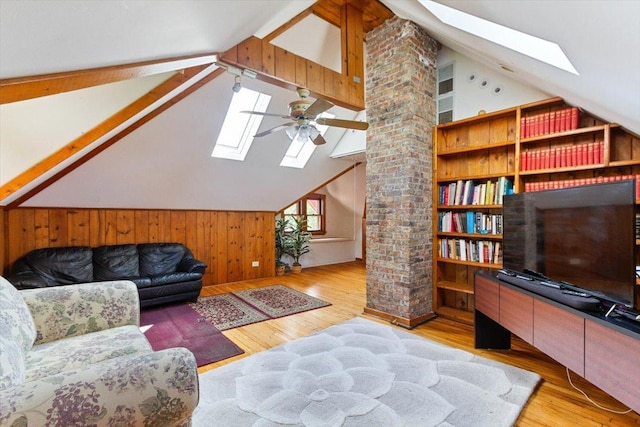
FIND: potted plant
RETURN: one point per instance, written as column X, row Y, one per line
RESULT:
column 281, row 243
column 297, row 242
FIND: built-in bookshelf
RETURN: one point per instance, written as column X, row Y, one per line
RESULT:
column 537, row 146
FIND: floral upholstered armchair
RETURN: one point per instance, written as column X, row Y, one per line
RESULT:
column 74, row 355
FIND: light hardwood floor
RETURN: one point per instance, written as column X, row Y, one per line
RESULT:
column 555, row 402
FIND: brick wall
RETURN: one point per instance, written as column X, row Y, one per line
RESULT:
column 401, row 111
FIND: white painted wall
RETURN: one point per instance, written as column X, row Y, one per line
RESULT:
column 345, row 205
column 471, row 97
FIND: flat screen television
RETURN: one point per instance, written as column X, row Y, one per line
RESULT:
column 584, row 236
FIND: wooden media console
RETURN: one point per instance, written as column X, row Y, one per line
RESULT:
column 604, row 351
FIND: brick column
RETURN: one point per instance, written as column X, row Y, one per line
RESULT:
column 401, row 110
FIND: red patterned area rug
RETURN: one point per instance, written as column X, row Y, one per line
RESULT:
column 180, row 326
column 241, row 308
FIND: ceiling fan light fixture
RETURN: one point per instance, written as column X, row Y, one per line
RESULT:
column 304, row 132
column 291, row 132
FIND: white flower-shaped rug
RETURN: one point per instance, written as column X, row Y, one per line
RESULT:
column 362, row 373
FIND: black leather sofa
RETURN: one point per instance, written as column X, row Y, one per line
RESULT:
column 163, row 272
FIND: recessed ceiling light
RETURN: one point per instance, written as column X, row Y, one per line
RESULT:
column 534, row 47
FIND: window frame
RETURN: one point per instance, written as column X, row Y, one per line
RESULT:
column 301, row 205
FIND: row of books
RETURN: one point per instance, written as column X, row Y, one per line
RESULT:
column 551, row 185
column 549, row 122
column 638, row 226
column 469, row 193
column 591, row 153
column 483, row 251
column 470, row 222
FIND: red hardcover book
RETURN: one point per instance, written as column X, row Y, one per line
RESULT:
column 547, row 158
column 574, row 155
column 536, row 159
column 523, row 127
column 575, row 117
column 552, row 158
column 582, row 155
column 546, row 123
column 563, row 120
column 558, row 120
column 531, row 129
column 552, row 122
column 600, row 152
column 540, row 124
column 523, row 161
column 590, row 153
column 567, row 119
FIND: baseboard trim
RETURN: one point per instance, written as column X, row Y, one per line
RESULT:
column 400, row 321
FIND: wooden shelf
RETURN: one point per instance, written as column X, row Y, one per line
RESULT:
column 488, row 147
column 483, row 177
column 471, row 263
column 477, row 148
column 618, row 163
column 474, row 236
column 458, row 287
column 468, row 207
column 555, row 135
column 561, row 170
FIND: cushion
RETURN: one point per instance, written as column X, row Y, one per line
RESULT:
column 82, row 351
column 114, row 262
column 159, row 258
column 12, row 362
column 16, row 321
column 64, row 266
column 177, row 277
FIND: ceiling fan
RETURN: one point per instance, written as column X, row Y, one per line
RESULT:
column 304, row 116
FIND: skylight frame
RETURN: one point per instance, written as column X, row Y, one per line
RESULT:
column 237, row 131
column 531, row 46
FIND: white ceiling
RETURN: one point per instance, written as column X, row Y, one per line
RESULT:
column 601, row 38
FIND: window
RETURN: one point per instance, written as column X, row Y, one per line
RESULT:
column 238, row 128
column 313, row 207
column 445, row 94
column 534, row 47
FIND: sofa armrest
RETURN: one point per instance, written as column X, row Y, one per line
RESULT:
column 70, row 310
column 153, row 389
column 192, row 265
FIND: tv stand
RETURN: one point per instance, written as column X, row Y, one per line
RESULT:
column 604, row 351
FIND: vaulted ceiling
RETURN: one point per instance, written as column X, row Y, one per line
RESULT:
column 167, row 48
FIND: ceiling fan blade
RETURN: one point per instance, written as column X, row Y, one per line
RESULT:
column 349, row 124
column 319, row 106
column 272, row 130
column 266, row 114
column 319, row 140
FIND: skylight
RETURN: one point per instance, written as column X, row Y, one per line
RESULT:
column 534, row 47
column 236, row 135
column 300, row 152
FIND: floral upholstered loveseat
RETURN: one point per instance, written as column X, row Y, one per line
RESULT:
column 74, row 356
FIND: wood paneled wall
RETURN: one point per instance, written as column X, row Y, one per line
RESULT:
column 227, row 241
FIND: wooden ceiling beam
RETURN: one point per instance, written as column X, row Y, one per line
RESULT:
column 102, row 129
column 23, row 88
